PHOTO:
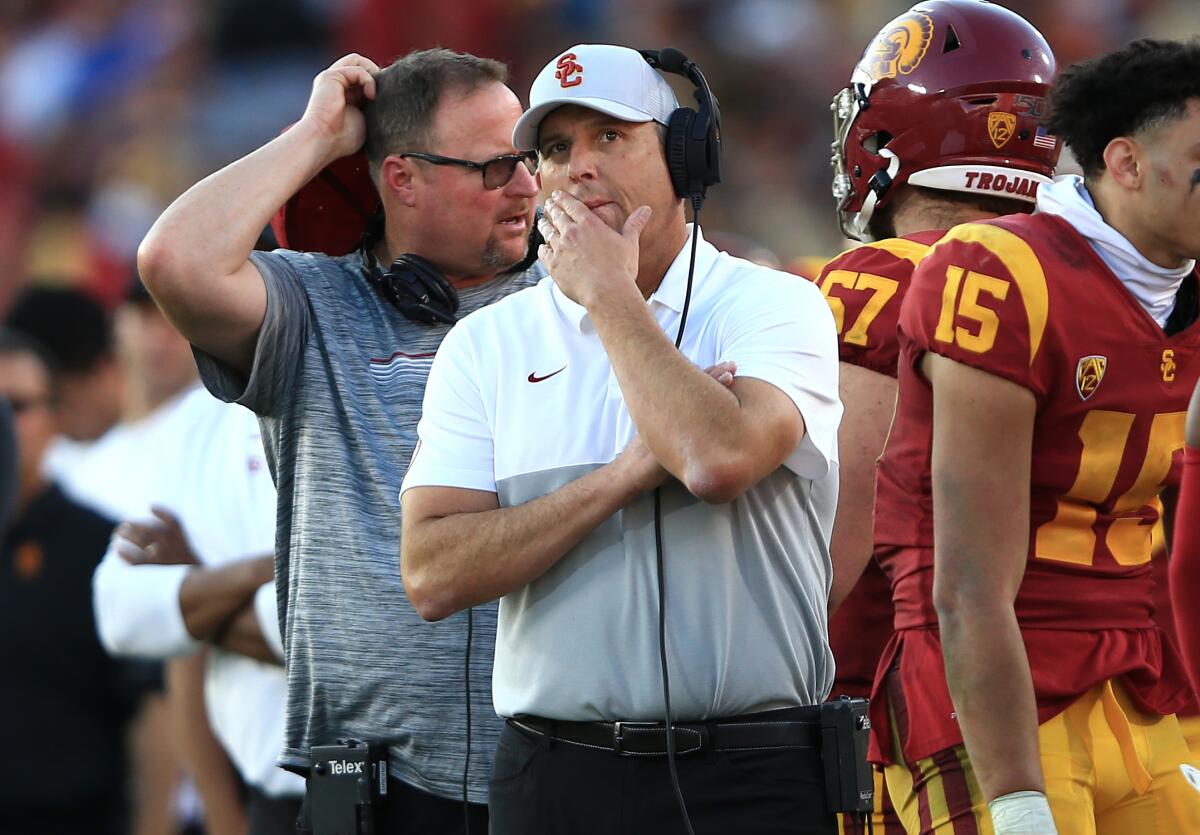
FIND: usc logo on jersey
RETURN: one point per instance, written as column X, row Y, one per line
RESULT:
column 899, row 48
column 28, row 561
column 1168, row 365
column 1088, row 374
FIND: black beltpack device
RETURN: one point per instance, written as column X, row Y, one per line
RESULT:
column 845, row 731
column 345, row 783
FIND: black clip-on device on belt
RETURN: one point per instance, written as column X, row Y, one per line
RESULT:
column 845, row 730
column 344, row 785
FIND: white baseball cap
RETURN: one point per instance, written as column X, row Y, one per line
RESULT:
column 612, row 79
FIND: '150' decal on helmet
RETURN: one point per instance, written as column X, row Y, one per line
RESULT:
column 899, row 47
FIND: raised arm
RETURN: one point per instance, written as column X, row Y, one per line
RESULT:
column 195, row 259
column 717, row 440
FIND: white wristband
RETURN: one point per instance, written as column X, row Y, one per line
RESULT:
column 1022, row 813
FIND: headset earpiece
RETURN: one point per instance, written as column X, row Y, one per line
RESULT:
column 678, row 128
column 693, row 136
column 420, row 291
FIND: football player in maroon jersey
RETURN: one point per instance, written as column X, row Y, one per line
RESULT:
column 1046, row 362
column 1185, row 551
column 937, row 128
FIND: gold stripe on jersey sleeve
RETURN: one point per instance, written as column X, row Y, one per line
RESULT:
column 902, row 248
column 1022, row 264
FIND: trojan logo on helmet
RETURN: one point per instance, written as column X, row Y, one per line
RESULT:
column 898, row 48
column 938, row 93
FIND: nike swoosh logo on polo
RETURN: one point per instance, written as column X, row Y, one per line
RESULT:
column 534, row 378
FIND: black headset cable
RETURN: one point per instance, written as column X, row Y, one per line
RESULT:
column 658, row 544
column 467, row 687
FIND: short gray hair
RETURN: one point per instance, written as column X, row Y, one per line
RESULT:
column 407, row 93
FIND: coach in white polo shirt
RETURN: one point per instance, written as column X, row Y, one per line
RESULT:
column 550, row 418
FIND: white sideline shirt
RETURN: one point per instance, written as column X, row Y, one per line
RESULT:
column 202, row 460
column 522, row 400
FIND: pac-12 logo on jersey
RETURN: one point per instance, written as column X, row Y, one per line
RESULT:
column 1088, row 374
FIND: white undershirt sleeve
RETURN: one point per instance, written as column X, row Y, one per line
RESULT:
column 137, row 608
column 455, row 445
column 787, row 337
column 266, row 610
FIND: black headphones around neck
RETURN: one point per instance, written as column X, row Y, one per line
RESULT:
column 693, row 136
column 414, row 285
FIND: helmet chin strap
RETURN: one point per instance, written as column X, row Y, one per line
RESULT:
column 877, row 186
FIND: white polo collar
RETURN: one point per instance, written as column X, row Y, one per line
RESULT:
column 671, row 290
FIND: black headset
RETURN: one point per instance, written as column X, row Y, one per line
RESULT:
column 414, row 285
column 693, row 136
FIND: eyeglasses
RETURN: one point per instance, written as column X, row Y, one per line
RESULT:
column 496, row 172
column 20, row 405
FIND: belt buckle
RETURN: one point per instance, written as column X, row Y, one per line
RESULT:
column 694, row 740
column 619, row 734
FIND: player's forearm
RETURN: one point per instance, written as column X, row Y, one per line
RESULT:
column 210, row 230
column 1184, row 566
column 210, row 597
column 202, row 754
column 692, row 423
column 453, row 562
column 987, row 671
column 153, row 767
column 243, row 635
column 869, row 399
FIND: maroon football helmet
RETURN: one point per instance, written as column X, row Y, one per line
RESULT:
column 330, row 212
column 949, row 95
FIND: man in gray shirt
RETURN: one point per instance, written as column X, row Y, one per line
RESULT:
column 541, row 489
column 315, row 347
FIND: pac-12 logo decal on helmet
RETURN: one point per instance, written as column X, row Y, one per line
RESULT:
column 1000, row 127
column 1088, row 374
column 567, row 67
column 899, row 47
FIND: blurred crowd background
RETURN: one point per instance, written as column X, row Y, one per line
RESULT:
column 109, row 109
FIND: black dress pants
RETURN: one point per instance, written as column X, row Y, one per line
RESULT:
column 266, row 815
column 410, row 811
column 543, row 786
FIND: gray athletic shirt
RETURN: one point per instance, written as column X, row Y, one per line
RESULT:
column 337, row 381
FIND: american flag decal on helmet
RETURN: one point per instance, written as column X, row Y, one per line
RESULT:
column 1044, row 139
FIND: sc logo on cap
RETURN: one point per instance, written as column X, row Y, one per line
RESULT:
column 567, row 67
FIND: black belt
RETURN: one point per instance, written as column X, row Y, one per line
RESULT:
column 649, row 739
